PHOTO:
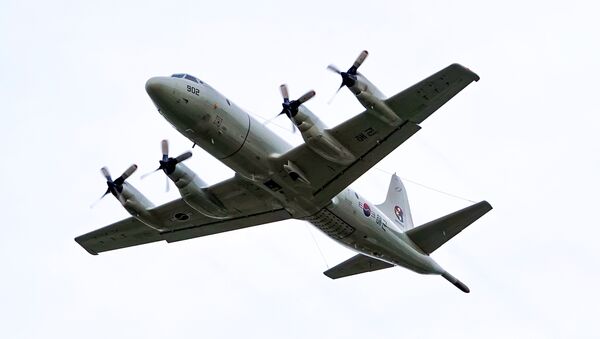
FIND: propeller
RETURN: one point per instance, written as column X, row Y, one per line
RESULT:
column 348, row 77
column 168, row 164
column 290, row 107
column 116, row 186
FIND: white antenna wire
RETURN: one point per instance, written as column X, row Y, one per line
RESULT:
column 428, row 187
column 317, row 244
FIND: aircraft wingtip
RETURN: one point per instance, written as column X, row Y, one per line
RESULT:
column 79, row 240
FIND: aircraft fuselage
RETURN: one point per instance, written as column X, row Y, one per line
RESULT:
column 245, row 145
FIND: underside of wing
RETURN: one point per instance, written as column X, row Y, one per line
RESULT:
column 124, row 233
column 180, row 221
column 370, row 138
column 358, row 264
column 419, row 101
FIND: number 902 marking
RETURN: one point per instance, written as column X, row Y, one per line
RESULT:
column 193, row 90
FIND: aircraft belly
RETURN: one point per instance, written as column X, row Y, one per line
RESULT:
column 376, row 242
column 333, row 226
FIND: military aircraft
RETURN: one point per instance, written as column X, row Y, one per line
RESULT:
column 274, row 181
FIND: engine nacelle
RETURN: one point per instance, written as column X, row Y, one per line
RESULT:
column 318, row 139
column 138, row 206
column 194, row 193
column 371, row 98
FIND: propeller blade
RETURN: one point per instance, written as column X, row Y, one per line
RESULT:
column 106, row 173
column 270, row 120
column 165, row 149
column 128, row 172
column 97, row 201
column 184, row 156
column 309, row 95
column 334, row 69
column 361, row 58
column 147, row 174
column 167, row 188
column 334, row 94
column 284, row 92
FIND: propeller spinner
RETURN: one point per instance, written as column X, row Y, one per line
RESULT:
column 349, row 77
column 115, row 187
column 168, row 164
column 290, row 107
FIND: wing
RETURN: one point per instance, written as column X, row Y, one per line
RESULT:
column 250, row 206
column 358, row 264
column 370, row 139
column 419, row 101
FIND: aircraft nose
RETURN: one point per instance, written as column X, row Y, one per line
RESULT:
column 157, row 87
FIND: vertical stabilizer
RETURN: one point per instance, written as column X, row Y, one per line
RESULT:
column 396, row 205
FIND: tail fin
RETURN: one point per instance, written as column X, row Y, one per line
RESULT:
column 396, row 204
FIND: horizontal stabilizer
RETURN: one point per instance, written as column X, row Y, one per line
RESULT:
column 434, row 234
column 356, row 265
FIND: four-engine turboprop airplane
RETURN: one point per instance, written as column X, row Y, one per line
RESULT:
column 275, row 181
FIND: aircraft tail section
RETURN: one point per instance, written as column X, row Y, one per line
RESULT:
column 396, row 205
column 460, row 285
column 432, row 235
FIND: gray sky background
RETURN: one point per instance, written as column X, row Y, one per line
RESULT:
column 525, row 138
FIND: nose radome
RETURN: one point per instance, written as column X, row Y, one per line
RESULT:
column 157, row 87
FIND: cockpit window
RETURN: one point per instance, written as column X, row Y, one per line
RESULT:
column 188, row 77
column 192, row 78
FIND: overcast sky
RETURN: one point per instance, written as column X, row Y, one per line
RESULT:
column 525, row 138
